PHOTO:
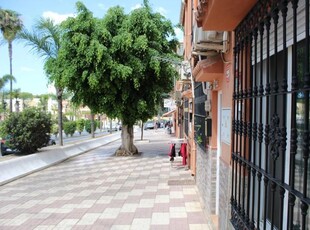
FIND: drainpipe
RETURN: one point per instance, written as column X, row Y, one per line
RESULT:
column 225, row 42
column 205, row 87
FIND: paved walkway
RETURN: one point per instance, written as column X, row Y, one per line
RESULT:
column 96, row 190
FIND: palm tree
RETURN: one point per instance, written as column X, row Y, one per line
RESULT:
column 10, row 25
column 45, row 41
column 5, row 79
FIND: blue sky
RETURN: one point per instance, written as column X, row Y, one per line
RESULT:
column 28, row 67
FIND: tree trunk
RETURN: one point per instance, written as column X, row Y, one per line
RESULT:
column 59, row 100
column 142, row 130
column 92, row 125
column 111, row 126
column 127, row 148
column 11, row 73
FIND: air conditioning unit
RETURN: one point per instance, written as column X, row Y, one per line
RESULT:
column 201, row 36
column 209, row 40
column 178, row 95
column 185, row 70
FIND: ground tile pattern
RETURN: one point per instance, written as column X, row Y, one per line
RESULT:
column 99, row 191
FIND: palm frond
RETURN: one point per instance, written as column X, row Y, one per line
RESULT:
column 7, row 77
column 10, row 23
column 48, row 27
column 37, row 43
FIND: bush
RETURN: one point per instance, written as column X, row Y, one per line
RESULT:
column 97, row 123
column 80, row 125
column 28, row 130
column 88, row 126
column 69, row 128
column 54, row 129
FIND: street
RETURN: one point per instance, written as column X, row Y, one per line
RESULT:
column 77, row 137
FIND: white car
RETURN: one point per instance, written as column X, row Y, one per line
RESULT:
column 149, row 125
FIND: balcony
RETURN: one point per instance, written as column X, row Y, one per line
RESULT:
column 222, row 15
column 209, row 70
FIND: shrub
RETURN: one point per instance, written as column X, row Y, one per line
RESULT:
column 69, row 128
column 80, row 125
column 88, row 126
column 28, row 130
column 97, row 124
column 54, row 129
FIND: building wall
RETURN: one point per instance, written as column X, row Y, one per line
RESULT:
column 206, row 178
column 187, row 30
column 207, row 167
column 225, row 193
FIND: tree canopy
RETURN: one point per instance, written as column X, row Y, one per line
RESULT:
column 109, row 63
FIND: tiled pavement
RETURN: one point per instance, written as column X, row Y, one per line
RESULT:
column 99, row 191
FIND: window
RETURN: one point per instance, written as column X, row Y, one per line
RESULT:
column 270, row 140
column 200, row 116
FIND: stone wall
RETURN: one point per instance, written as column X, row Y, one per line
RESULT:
column 225, row 194
column 206, row 178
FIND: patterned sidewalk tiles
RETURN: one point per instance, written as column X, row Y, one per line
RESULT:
column 99, row 191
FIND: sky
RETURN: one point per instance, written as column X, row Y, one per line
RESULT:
column 27, row 66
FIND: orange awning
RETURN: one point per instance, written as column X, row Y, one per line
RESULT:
column 168, row 114
column 209, row 69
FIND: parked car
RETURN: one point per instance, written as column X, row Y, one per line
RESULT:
column 114, row 127
column 5, row 149
column 149, row 125
column 51, row 141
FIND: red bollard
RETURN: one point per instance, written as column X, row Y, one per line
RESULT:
column 172, row 152
column 183, row 153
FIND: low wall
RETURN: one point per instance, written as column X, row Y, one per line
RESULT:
column 15, row 168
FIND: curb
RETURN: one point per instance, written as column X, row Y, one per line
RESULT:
column 16, row 168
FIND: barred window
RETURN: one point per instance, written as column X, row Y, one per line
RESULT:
column 270, row 141
column 200, row 116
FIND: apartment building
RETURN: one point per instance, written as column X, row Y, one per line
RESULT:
column 246, row 111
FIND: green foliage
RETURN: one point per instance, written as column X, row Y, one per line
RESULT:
column 29, row 129
column 10, row 24
column 25, row 95
column 97, row 123
column 54, row 129
column 44, row 102
column 65, row 119
column 109, row 63
column 45, row 41
column 80, row 124
column 5, row 79
column 88, row 125
column 69, row 128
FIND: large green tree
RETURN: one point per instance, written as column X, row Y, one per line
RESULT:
column 10, row 25
column 45, row 41
column 109, row 64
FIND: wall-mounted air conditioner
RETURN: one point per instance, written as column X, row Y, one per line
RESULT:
column 206, row 41
column 201, row 36
column 185, row 70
